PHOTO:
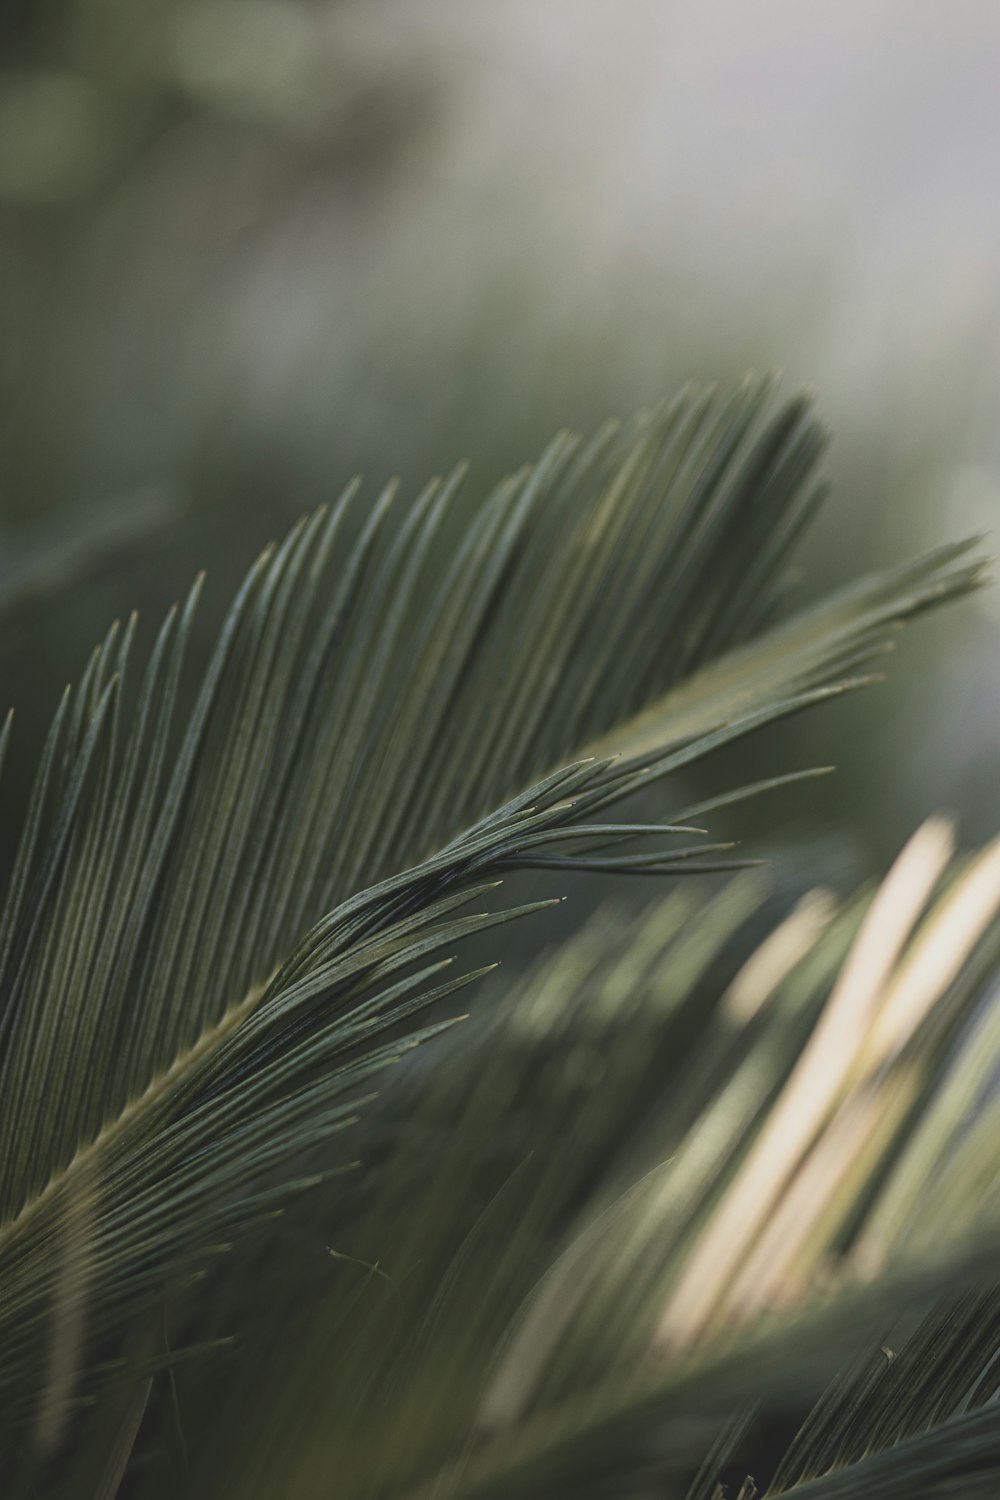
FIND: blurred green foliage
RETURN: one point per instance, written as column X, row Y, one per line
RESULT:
column 250, row 247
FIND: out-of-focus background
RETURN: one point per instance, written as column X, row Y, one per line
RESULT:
column 248, row 247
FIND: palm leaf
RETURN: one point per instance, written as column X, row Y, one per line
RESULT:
column 502, row 1307
column 214, row 916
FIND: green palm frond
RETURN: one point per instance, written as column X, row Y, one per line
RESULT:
column 223, row 920
column 527, row 1309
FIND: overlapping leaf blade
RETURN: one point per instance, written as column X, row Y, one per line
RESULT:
column 537, row 1215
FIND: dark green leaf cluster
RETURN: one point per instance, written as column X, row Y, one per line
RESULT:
column 596, row 1223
